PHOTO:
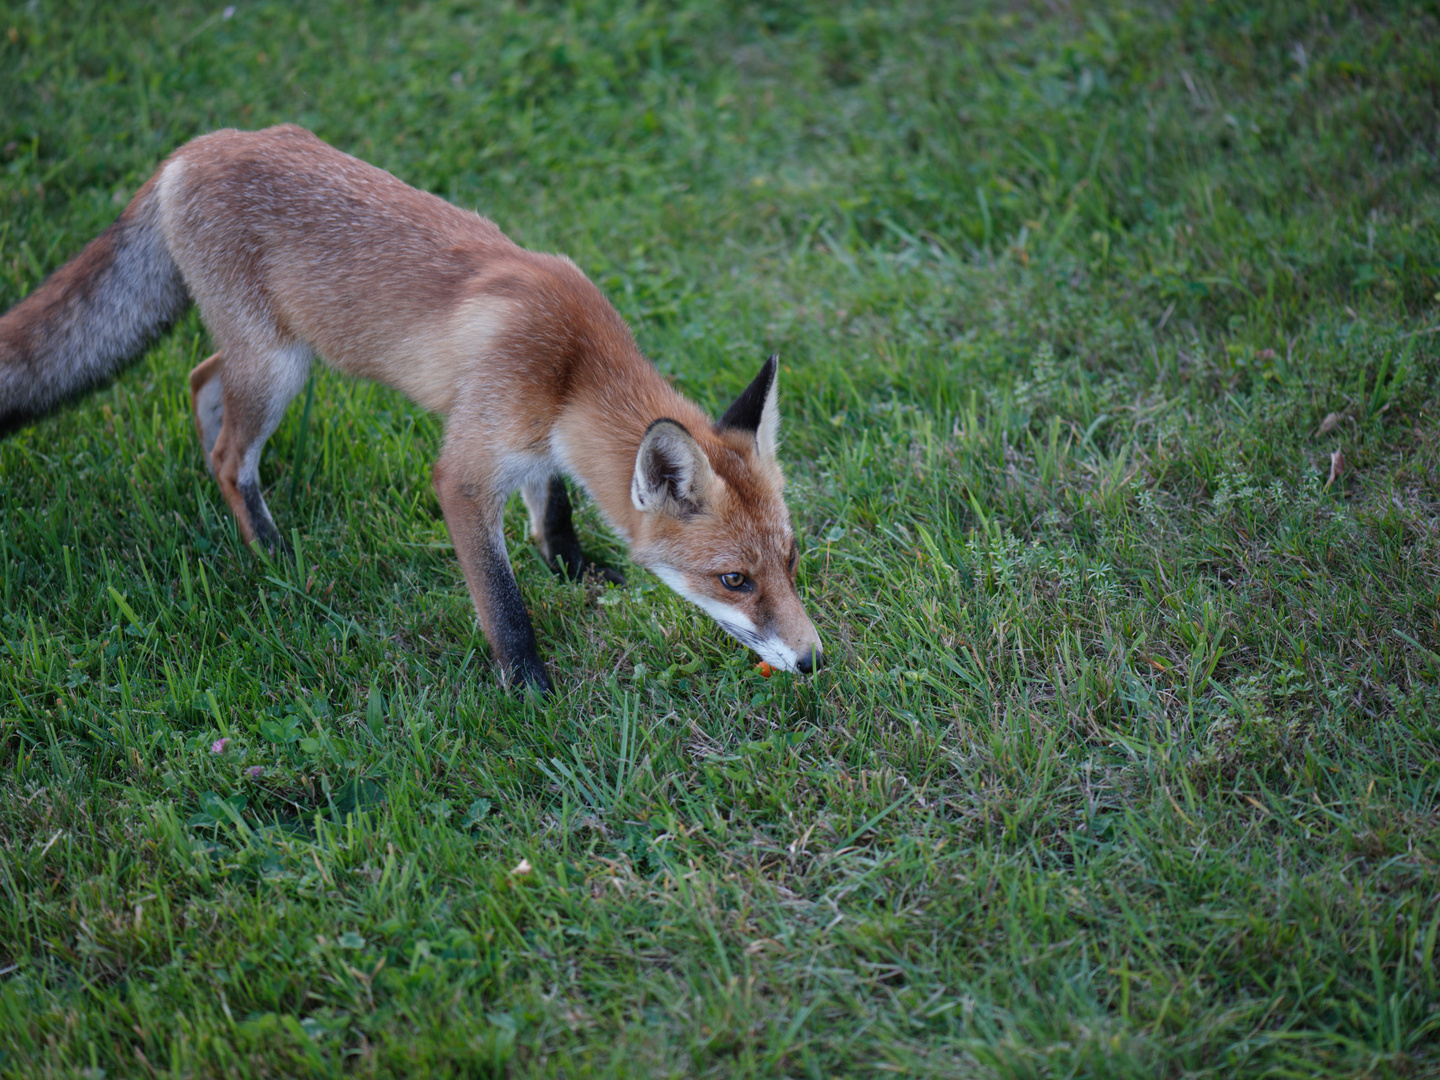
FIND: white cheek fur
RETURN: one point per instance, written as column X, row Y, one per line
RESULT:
column 735, row 623
column 724, row 614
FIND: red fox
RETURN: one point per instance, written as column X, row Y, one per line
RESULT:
column 291, row 248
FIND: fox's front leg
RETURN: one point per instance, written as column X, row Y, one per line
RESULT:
column 552, row 527
column 474, row 512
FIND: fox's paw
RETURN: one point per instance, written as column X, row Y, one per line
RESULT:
column 527, row 674
column 602, row 575
column 570, row 562
column 273, row 546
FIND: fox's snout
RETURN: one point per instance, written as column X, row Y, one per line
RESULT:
column 765, row 615
column 799, row 650
column 805, row 661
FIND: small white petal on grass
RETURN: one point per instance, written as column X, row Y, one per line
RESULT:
column 522, row 868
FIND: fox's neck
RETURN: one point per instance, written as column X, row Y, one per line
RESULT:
column 601, row 428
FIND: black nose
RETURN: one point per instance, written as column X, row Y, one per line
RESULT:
column 810, row 661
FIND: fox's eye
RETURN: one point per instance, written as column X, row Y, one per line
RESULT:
column 733, row 581
column 794, row 557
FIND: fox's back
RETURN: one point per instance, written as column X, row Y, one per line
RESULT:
column 339, row 253
column 308, row 209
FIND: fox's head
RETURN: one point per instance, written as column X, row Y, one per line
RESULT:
column 715, row 528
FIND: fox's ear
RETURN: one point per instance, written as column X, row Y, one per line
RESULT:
column 672, row 474
column 756, row 411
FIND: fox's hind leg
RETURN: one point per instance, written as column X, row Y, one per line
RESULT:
column 553, row 531
column 207, row 403
column 254, row 389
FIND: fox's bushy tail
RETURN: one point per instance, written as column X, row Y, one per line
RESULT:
column 92, row 316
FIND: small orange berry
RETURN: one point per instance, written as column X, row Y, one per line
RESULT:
column 764, row 669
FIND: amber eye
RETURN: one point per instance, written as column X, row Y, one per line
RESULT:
column 733, row 581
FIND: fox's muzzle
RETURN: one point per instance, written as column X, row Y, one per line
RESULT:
column 811, row 660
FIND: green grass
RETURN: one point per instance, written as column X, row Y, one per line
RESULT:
column 1128, row 764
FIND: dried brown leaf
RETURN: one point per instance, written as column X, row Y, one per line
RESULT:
column 1337, row 466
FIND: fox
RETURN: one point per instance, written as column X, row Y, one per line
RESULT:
column 293, row 250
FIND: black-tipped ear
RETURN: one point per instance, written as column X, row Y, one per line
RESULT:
column 745, row 414
column 755, row 409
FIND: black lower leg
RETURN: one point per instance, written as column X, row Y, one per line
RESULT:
column 511, row 634
column 561, row 546
column 266, row 533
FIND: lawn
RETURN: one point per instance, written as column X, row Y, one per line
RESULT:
column 1109, row 337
